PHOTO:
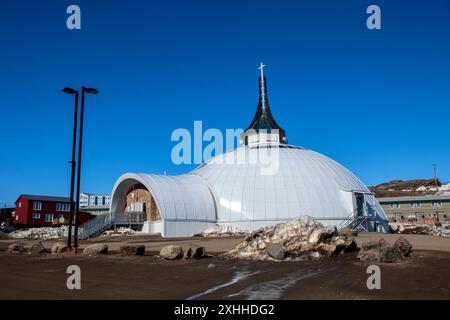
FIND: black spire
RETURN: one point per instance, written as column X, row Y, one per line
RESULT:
column 263, row 119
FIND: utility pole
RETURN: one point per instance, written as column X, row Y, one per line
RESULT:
column 435, row 177
column 72, row 163
column 84, row 90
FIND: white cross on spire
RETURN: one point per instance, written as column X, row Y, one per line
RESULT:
column 261, row 67
column 263, row 87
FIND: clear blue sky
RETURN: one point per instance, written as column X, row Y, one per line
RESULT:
column 375, row 101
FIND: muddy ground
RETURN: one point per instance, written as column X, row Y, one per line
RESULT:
column 23, row 276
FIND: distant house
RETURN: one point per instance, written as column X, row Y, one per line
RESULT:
column 94, row 199
column 35, row 210
column 95, row 203
column 423, row 209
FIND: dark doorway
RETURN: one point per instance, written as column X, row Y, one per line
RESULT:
column 359, row 204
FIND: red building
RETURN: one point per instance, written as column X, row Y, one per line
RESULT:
column 32, row 210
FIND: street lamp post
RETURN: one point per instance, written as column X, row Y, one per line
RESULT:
column 72, row 162
column 80, row 148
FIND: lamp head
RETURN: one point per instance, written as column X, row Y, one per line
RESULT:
column 69, row 90
column 91, row 90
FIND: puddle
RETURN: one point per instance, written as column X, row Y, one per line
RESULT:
column 274, row 289
column 238, row 276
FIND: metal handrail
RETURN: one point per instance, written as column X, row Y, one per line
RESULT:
column 101, row 223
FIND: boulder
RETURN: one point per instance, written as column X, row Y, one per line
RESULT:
column 211, row 266
column 347, row 232
column 382, row 251
column 344, row 244
column 390, row 254
column 199, row 252
column 132, row 250
column 375, row 244
column 403, row 245
column 320, row 234
column 16, row 248
column 325, row 250
column 195, row 253
column 59, row 247
column 95, row 249
column 276, row 251
column 370, row 250
column 171, row 252
column 368, row 255
column 350, row 245
column 37, row 248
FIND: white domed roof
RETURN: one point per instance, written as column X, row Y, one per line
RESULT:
column 301, row 182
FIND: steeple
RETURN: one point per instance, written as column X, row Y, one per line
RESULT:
column 263, row 119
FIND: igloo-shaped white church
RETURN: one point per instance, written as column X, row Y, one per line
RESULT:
column 238, row 189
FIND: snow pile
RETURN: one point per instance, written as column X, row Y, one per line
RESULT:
column 44, row 233
column 444, row 189
column 441, row 230
column 223, row 231
column 299, row 239
column 122, row 231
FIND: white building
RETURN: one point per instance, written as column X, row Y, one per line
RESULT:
column 263, row 182
column 94, row 199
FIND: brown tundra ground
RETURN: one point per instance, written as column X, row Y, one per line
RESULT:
column 112, row 276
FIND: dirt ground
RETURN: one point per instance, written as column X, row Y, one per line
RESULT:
column 113, row 276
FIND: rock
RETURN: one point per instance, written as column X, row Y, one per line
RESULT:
column 3, row 235
column 321, row 234
column 374, row 244
column 381, row 251
column 350, row 245
column 368, row 255
column 58, row 248
column 347, row 232
column 37, row 248
column 188, row 253
column 276, row 251
column 171, row 252
column 403, row 245
column 16, row 248
column 390, row 254
column 325, row 250
column 132, row 250
column 195, row 253
column 95, row 249
column 199, row 253
column 344, row 244
column 370, row 250
column 211, row 266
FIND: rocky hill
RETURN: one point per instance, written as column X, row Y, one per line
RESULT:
column 415, row 187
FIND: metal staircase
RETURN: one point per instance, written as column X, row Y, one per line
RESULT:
column 358, row 222
column 94, row 227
